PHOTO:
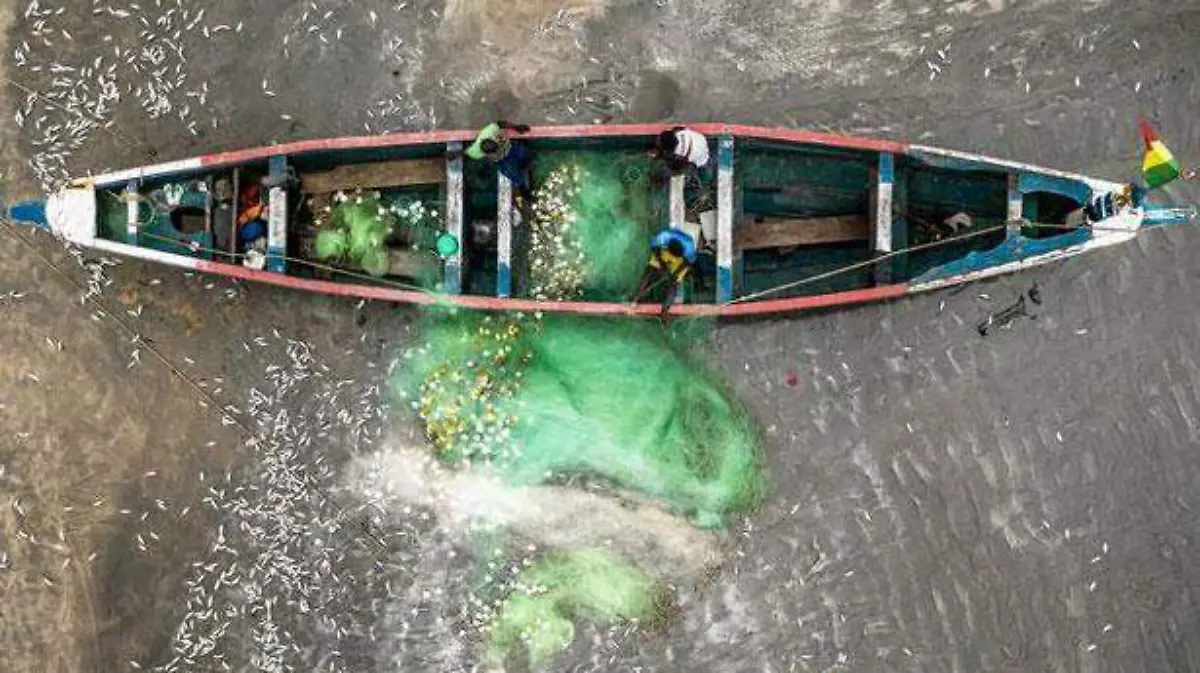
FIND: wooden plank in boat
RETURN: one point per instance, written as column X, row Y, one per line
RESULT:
column 375, row 175
column 413, row 263
column 407, row 264
column 775, row 232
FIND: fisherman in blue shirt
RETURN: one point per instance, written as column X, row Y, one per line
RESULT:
column 672, row 254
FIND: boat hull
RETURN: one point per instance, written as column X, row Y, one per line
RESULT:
column 71, row 213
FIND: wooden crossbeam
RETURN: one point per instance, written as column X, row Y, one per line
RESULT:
column 412, row 263
column 375, row 175
column 774, row 232
column 678, row 207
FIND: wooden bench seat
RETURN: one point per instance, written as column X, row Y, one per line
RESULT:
column 776, row 232
column 413, row 263
column 404, row 263
column 375, row 175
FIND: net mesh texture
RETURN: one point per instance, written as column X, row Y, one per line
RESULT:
column 625, row 403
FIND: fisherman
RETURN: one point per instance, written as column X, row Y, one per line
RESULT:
column 512, row 157
column 672, row 254
column 684, row 151
column 682, row 148
column 1103, row 206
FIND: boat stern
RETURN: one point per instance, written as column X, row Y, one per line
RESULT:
column 71, row 214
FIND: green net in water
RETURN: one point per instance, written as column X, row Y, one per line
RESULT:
column 540, row 399
column 619, row 400
column 563, row 586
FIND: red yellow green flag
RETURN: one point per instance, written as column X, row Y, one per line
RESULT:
column 1159, row 166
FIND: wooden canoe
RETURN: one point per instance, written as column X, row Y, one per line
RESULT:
column 802, row 220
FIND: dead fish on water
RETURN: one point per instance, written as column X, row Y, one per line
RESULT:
column 1006, row 316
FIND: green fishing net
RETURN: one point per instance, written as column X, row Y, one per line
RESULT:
column 363, row 226
column 593, row 216
column 563, row 586
column 331, row 244
column 625, row 403
column 615, row 399
column 367, row 222
column 375, row 261
column 419, row 218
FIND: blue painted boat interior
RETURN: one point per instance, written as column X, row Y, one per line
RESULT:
column 772, row 181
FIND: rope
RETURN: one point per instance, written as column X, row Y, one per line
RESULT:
column 212, row 402
column 738, row 300
column 915, row 248
column 863, row 264
column 197, row 247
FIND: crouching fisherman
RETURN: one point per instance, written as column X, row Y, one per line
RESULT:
column 672, row 254
column 1101, row 206
column 513, row 158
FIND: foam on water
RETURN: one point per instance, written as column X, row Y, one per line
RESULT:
column 400, row 476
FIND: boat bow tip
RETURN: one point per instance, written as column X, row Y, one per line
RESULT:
column 71, row 214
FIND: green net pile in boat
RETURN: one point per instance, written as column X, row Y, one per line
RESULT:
column 332, row 244
column 621, row 401
column 362, row 225
column 368, row 224
column 419, row 218
column 568, row 585
column 592, row 220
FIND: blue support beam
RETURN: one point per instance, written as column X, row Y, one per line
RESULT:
column 453, row 265
column 504, row 232
column 132, row 212
column 725, row 212
column 277, row 212
column 1016, row 209
column 899, row 265
column 883, row 232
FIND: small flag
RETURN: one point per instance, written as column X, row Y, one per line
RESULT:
column 1159, row 166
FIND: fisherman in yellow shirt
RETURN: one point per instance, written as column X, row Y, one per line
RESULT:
column 672, row 254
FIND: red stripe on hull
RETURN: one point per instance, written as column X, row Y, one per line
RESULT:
column 767, row 306
column 809, row 137
column 357, row 291
column 579, row 131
